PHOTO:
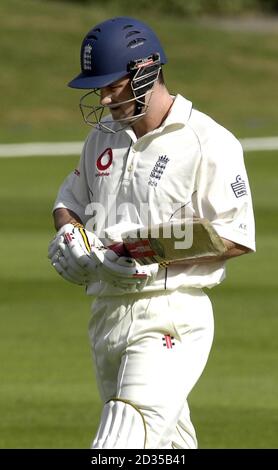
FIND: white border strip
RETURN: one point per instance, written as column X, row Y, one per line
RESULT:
column 260, row 143
column 56, row 149
column 47, row 149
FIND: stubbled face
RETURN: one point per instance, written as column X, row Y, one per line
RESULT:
column 115, row 94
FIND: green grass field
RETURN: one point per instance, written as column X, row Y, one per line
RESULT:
column 48, row 396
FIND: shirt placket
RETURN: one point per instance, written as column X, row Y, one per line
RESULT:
column 129, row 168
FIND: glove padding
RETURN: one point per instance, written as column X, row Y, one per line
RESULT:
column 122, row 272
column 64, row 258
column 80, row 257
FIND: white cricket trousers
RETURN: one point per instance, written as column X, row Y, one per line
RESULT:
column 149, row 351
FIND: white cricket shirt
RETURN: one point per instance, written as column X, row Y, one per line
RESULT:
column 190, row 160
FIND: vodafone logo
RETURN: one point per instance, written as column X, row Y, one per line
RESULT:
column 104, row 161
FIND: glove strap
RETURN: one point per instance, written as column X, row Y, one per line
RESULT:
column 78, row 225
column 82, row 231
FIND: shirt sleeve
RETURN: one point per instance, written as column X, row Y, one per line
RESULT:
column 223, row 191
column 74, row 193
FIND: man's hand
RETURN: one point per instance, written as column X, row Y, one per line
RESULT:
column 80, row 257
column 124, row 272
column 70, row 251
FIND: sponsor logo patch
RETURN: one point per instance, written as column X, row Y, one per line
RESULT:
column 68, row 238
column 104, row 161
column 239, row 187
column 168, row 341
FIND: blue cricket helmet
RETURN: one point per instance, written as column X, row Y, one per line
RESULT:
column 109, row 48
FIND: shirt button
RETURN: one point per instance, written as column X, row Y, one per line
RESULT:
column 130, row 168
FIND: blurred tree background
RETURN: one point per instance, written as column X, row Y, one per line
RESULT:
column 191, row 7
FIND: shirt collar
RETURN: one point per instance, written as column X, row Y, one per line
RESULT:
column 179, row 112
column 178, row 116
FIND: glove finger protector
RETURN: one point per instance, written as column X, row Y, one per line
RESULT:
column 62, row 259
column 83, row 252
column 67, row 273
column 53, row 247
column 122, row 272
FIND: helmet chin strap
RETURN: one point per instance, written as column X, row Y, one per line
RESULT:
column 138, row 108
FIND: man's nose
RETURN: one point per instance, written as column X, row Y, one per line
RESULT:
column 105, row 96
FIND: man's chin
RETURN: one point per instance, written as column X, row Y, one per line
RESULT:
column 121, row 118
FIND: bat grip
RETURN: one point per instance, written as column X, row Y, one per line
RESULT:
column 120, row 249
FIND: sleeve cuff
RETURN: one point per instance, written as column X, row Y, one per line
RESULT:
column 236, row 237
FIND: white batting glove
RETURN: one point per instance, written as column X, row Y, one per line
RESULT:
column 123, row 272
column 69, row 253
column 84, row 250
column 80, row 257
